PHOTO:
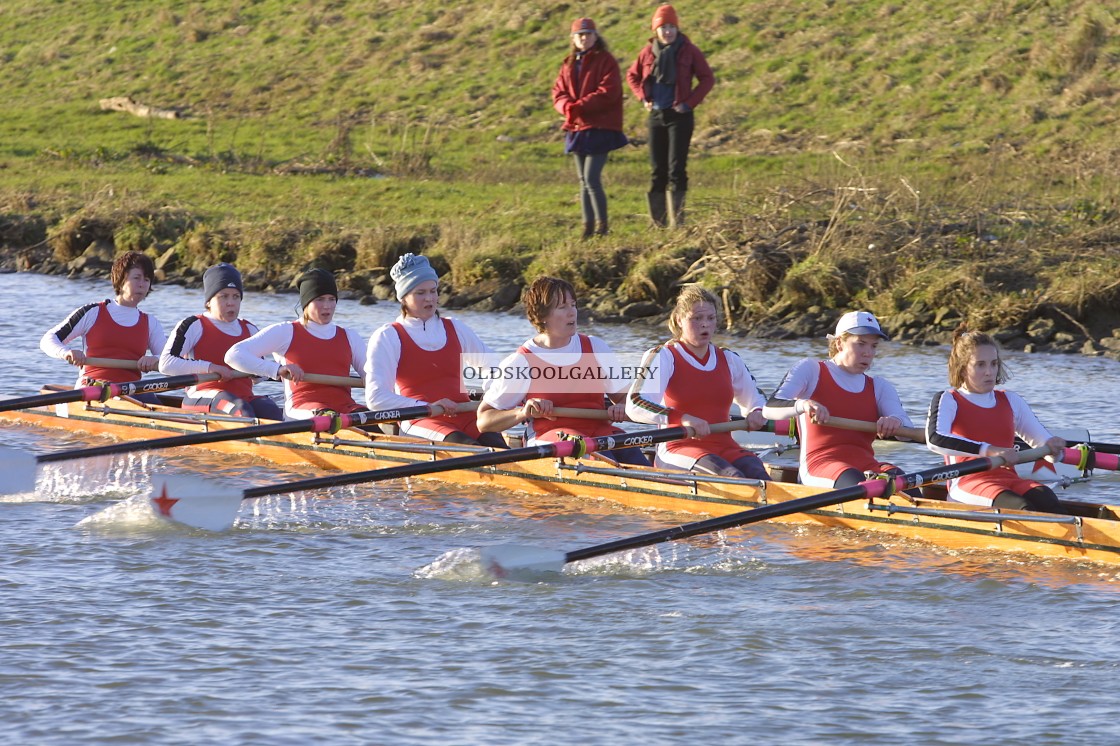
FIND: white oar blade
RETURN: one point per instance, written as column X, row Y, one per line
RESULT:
column 505, row 560
column 18, row 471
column 194, row 502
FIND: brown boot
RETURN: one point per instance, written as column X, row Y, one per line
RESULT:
column 676, row 209
column 588, row 231
column 601, row 228
column 656, row 208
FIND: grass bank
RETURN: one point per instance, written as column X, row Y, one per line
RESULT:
column 935, row 162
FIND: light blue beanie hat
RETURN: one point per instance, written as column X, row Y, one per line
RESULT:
column 409, row 271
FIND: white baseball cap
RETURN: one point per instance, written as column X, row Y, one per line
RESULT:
column 858, row 322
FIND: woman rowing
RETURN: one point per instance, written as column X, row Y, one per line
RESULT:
column 199, row 345
column 311, row 344
column 815, row 390
column 113, row 329
column 419, row 358
column 557, row 367
column 975, row 419
column 691, row 382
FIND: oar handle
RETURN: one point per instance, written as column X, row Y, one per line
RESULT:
column 915, row 434
column 318, row 378
column 601, row 414
column 108, row 362
column 325, row 380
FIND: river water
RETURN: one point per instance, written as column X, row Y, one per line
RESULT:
column 320, row 620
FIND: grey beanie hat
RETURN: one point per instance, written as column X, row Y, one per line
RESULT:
column 218, row 278
column 409, row 271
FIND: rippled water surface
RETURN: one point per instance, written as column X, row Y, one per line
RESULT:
column 334, row 618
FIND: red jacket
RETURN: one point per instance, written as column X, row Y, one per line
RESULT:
column 690, row 64
column 598, row 104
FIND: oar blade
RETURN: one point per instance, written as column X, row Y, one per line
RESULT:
column 507, row 560
column 195, row 503
column 18, row 471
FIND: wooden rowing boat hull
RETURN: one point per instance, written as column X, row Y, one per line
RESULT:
column 1093, row 534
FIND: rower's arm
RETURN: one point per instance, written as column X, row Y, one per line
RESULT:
column 491, row 420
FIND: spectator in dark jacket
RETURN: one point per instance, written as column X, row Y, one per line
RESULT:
column 588, row 92
column 662, row 79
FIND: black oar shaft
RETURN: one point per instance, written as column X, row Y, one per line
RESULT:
column 1099, row 447
column 241, row 433
column 175, row 441
column 150, row 386
column 799, row 505
column 545, row 450
column 475, row 461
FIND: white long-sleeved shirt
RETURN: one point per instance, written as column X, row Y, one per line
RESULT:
column 647, row 396
column 249, row 355
column 511, row 392
column 57, row 340
column 177, row 358
column 943, row 411
column 383, row 357
column 801, row 381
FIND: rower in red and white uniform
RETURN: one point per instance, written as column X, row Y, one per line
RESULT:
column 311, row 344
column 814, row 390
column 419, row 359
column 198, row 345
column 690, row 381
column 558, row 367
column 975, row 419
column 113, row 329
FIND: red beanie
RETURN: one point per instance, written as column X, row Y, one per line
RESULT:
column 580, row 25
column 663, row 15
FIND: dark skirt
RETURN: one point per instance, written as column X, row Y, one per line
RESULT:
column 594, row 141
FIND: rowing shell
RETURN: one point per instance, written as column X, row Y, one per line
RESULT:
column 1091, row 533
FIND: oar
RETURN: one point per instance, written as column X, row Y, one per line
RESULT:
column 1109, row 448
column 786, row 428
column 915, row 434
column 104, row 392
column 21, row 468
column 217, row 511
column 319, row 378
column 501, row 560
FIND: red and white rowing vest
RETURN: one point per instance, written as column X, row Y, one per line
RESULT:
column 108, row 339
column 212, row 346
column 995, row 426
column 330, row 357
column 707, row 394
column 429, row 375
column 829, row 451
column 552, row 387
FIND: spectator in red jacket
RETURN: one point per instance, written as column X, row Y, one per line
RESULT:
column 662, row 79
column 588, row 92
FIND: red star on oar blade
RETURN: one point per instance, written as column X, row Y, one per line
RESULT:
column 163, row 503
column 1043, row 465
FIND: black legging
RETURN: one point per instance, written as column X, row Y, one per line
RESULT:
column 1040, row 499
column 490, row 440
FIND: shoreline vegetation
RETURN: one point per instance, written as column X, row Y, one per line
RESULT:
column 936, row 164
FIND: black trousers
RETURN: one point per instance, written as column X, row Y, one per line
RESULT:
column 670, row 135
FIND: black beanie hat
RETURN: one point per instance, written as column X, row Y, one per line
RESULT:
column 218, row 278
column 313, row 283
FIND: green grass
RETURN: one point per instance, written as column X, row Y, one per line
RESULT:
column 919, row 113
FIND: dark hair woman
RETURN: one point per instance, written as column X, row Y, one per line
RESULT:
column 588, row 92
column 114, row 329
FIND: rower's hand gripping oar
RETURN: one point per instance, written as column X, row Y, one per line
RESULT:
column 21, row 468
column 502, row 560
column 217, row 511
column 319, row 378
